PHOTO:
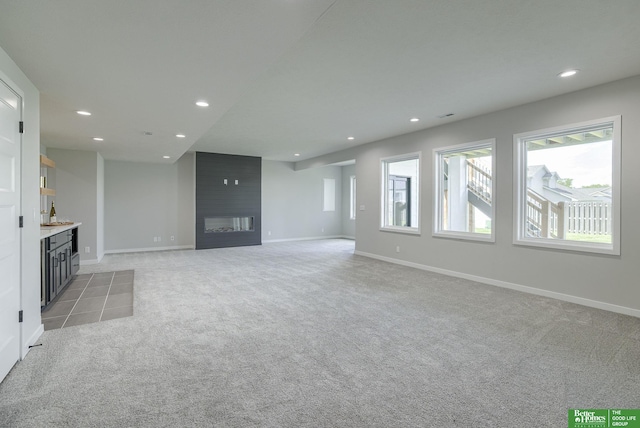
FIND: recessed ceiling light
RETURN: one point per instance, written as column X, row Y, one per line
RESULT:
column 180, row 135
column 568, row 73
column 350, row 138
column 202, row 104
column 166, row 157
column 296, row 154
column 83, row 113
column 98, row 139
column 414, row 119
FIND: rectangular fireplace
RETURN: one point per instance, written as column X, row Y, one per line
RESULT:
column 228, row 224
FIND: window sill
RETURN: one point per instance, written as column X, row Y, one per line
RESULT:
column 465, row 236
column 574, row 246
column 399, row 229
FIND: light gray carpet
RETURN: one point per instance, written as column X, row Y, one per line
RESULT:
column 306, row 334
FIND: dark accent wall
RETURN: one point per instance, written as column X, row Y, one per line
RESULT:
column 214, row 198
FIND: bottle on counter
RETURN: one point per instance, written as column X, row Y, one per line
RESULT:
column 52, row 214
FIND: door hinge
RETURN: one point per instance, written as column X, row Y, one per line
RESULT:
column 21, row 221
column 21, row 127
column 19, row 316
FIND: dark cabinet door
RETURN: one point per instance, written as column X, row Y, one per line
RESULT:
column 59, row 263
column 67, row 262
column 53, row 274
column 62, row 259
column 43, row 273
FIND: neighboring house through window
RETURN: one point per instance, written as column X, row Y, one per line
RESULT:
column 568, row 187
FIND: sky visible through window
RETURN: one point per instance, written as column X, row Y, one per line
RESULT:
column 586, row 164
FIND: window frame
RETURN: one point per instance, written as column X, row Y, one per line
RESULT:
column 520, row 188
column 384, row 162
column 352, row 197
column 438, row 202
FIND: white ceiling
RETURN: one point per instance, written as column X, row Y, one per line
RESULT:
column 299, row 76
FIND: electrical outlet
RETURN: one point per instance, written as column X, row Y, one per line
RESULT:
column 173, row 238
column 397, row 248
column 361, row 207
column 269, row 233
column 87, row 250
column 159, row 238
column 155, row 239
column 322, row 230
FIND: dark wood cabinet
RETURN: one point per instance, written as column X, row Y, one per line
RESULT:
column 60, row 262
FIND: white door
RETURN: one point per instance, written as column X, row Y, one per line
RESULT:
column 10, row 116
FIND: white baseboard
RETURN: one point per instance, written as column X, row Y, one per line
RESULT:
column 144, row 250
column 523, row 288
column 308, row 238
column 89, row 262
column 31, row 341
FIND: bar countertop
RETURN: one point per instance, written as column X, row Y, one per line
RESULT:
column 47, row 231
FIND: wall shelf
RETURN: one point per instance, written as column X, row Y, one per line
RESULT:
column 45, row 161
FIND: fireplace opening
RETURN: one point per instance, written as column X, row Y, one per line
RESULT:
column 228, row 224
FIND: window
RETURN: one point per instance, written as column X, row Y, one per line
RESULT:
column 352, row 204
column 400, row 190
column 329, row 195
column 465, row 191
column 568, row 187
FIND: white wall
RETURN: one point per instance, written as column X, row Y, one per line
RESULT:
column 348, row 224
column 597, row 280
column 31, row 327
column 141, row 201
column 76, row 179
column 144, row 200
column 292, row 202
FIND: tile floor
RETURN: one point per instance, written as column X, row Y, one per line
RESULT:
column 92, row 297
